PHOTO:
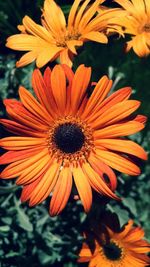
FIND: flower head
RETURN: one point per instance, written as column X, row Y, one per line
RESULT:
column 136, row 22
column 64, row 134
column 115, row 249
column 56, row 37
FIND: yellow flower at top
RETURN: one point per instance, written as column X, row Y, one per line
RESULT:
column 136, row 23
column 117, row 249
column 58, row 38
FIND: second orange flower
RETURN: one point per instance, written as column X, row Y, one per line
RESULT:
column 57, row 38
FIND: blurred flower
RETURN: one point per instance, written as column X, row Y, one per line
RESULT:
column 114, row 249
column 112, row 28
column 136, row 22
column 65, row 133
column 56, row 38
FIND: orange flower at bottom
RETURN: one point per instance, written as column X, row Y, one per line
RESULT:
column 123, row 249
column 65, row 135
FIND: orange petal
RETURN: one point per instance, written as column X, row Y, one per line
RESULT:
column 88, row 14
column 49, row 93
column 118, row 130
column 20, row 129
column 97, row 182
column 32, row 105
column 26, row 59
column 140, row 46
column 102, row 169
column 46, row 185
column 36, row 29
column 20, row 114
column 66, row 57
column 17, row 168
column 54, row 17
column 81, row 11
column 125, row 230
column 96, row 37
column 83, row 187
column 46, row 54
column 71, row 44
column 124, row 146
column 116, row 113
column 61, row 192
column 100, row 91
column 12, row 156
column 32, row 172
column 72, row 13
column 117, row 97
column 85, row 253
column 141, row 119
column 41, row 91
column 79, row 86
column 27, row 190
column 118, row 162
column 135, row 234
column 24, row 42
column 58, row 83
column 19, row 143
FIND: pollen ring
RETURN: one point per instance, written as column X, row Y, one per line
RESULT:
column 70, row 140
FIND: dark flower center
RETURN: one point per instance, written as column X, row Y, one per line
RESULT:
column 147, row 27
column 69, row 137
column 112, row 251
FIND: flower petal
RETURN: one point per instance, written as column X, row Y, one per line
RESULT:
column 105, row 172
column 117, row 97
column 96, row 37
column 12, row 156
column 118, row 130
column 58, row 84
column 34, row 171
column 97, row 182
column 66, row 57
column 17, row 168
column 125, row 146
column 83, row 187
column 79, row 86
column 46, row 54
column 33, row 106
column 46, row 184
column 27, row 190
column 116, row 113
column 19, row 143
column 43, row 93
column 54, row 17
column 61, row 192
column 100, row 91
column 37, row 30
column 26, row 59
column 118, row 162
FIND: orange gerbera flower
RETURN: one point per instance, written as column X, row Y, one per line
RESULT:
column 65, row 133
column 136, row 22
column 56, row 38
column 117, row 249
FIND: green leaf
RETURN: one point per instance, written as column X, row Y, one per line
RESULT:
column 130, row 204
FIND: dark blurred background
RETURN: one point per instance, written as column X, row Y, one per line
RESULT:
column 28, row 236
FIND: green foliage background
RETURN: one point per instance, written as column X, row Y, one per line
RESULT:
column 28, row 236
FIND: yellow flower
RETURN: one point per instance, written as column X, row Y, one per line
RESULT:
column 136, row 23
column 117, row 249
column 56, row 37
